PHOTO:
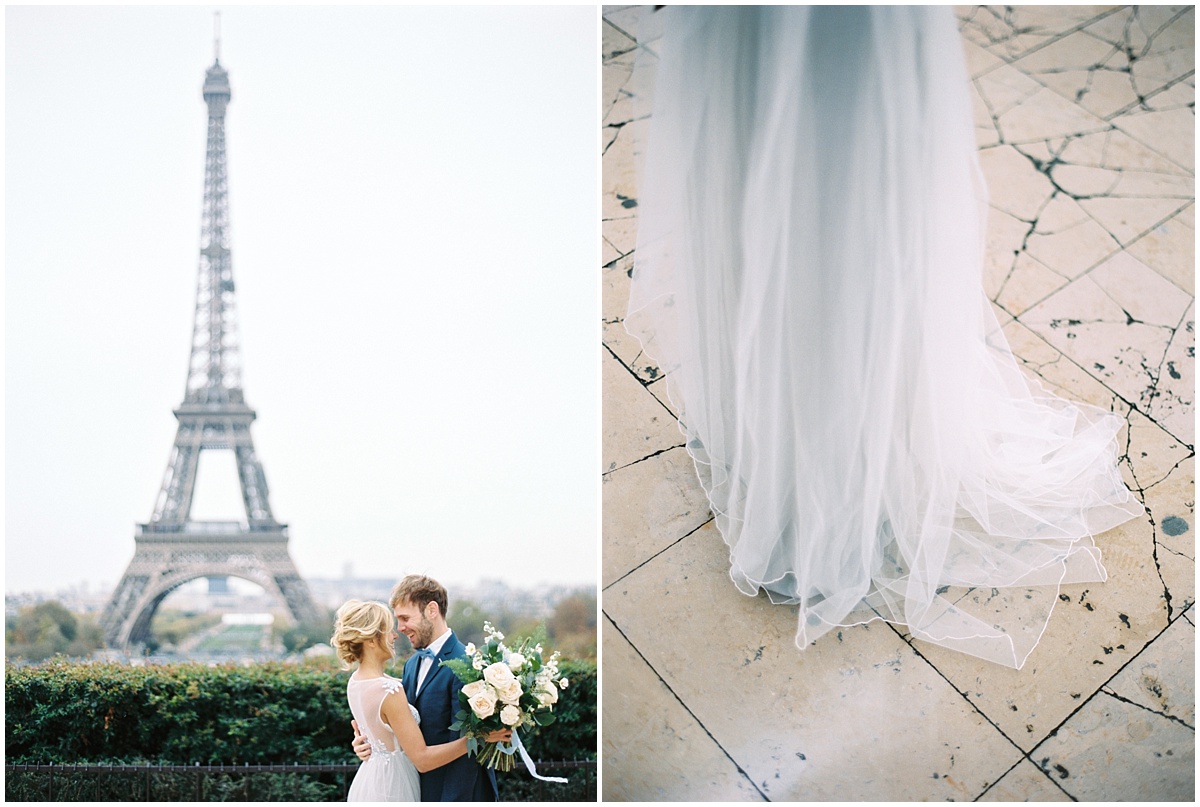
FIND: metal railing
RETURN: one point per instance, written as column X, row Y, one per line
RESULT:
column 215, row 782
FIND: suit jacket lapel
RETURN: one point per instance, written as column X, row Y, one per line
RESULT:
column 445, row 654
column 411, row 671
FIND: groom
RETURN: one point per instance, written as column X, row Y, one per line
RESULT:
column 419, row 604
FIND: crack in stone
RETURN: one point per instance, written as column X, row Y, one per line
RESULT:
column 1154, row 554
column 1112, row 694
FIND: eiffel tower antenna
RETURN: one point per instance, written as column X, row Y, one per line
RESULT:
column 216, row 36
column 172, row 548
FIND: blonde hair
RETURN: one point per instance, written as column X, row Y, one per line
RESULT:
column 357, row 624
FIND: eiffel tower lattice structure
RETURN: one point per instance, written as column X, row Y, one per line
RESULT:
column 172, row 549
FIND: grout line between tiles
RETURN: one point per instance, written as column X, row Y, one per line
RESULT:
column 692, row 714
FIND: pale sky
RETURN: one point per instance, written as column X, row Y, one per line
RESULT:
column 414, row 205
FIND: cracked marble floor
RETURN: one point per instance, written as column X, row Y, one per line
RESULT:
column 1085, row 120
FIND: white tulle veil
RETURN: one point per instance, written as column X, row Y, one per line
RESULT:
column 808, row 276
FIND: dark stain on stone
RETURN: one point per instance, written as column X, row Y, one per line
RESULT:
column 1174, row 525
column 1076, row 695
column 1062, row 772
column 626, row 202
column 1124, row 619
column 1107, row 651
column 800, row 756
column 1172, row 371
column 1088, row 606
column 1064, row 598
column 1013, row 707
column 1097, row 661
column 1098, row 366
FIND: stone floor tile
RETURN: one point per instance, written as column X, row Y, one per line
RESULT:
column 1102, row 92
column 1162, row 678
column 619, row 184
column 1024, row 783
column 614, row 300
column 1158, row 69
column 621, row 233
column 635, row 424
column 1004, row 88
column 613, row 41
column 1115, row 149
column 1086, row 323
column 637, row 22
column 1070, row 250
column 1093, row 630
column 998, row 29
column 607, row 136
column 1129, row 221
column 1177, row 96
column 1005, row 239
column 1152, row 453
column 1057, row 374
column 1047, row 114
column 1173, row 404
column 979, row 60
column 1133, row 184
column 1170, row 132
column 1116, row 751
column 1172, row 505
column 614, row 76
column 654, row 750
column 1084, row 180
column 648, row 506
column 1170, row 249
column 1029, row 283
column 1015, row 186
column 1076, row 51
column 608, row 253
column 1062, row 213
column 857, row 715
column 1172, row 27
column 1141, row 292
column 613, row 303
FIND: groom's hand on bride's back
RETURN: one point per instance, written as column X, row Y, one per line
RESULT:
column 361, row 745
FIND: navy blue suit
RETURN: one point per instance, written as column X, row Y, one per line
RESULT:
column 463, row 779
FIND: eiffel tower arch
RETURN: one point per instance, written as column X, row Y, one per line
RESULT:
column 172, row 548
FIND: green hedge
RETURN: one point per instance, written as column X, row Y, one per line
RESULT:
column 272, row 713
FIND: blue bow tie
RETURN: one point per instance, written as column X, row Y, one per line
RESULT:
column 425, row 652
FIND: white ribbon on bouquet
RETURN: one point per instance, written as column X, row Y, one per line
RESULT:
column 529, row 762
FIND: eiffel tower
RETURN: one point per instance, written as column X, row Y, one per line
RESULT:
column 172, row 549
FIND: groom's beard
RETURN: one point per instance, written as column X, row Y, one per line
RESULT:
column 423, row 633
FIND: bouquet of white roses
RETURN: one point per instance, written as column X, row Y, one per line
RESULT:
column 504, row 688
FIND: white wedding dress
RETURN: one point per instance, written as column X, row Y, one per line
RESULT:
column 388, row 775
column 808, row 276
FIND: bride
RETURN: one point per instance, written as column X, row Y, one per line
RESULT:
column 365, row 634
column 808, row 276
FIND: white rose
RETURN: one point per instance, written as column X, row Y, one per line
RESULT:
column 511, row 692
column 484, row 703
column 516, row 661
column 510, row 715
column 547, row 696
column 474, row 688
column 498, row 675
column 470, row 648
column 477, row 662
column 563, row 683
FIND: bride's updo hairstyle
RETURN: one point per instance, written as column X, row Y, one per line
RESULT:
column 357, row 623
